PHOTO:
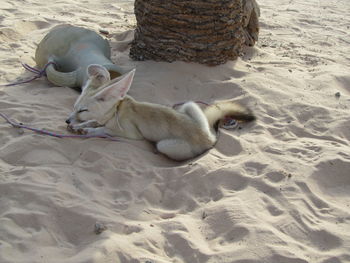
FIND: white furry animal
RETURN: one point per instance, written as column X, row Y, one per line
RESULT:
column 179, row 134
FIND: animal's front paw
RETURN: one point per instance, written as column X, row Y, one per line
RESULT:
column 70, row 128
column 86, row 124
column 82, row 131
column 76, row 129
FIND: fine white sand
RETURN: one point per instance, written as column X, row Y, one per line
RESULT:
column 277, row 191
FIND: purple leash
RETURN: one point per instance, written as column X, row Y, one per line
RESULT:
column 39, row 74
column 31, row 69
column 40, row 131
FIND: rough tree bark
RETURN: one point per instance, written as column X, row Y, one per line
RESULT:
column 204, row 31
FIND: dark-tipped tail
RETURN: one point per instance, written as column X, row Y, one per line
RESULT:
column 220, row 111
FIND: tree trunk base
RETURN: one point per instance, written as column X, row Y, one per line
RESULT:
column 208, row 31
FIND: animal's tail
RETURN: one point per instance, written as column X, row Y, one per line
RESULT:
column 222, row 110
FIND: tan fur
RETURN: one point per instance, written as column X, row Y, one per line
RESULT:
column 223, row 109
column 180, row 134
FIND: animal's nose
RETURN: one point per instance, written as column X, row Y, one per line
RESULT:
column 68, row 121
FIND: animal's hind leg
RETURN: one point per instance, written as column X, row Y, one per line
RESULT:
column 195, row 112
column 175, row 149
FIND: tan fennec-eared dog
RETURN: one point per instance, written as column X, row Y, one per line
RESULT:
column 105, row 108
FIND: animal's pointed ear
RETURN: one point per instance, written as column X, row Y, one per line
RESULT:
column 118, row 89
column 98, row 73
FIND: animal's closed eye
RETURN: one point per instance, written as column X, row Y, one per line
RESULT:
column 82, row 110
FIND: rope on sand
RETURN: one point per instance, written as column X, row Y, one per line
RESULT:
column 38, row 74
column 57, row 135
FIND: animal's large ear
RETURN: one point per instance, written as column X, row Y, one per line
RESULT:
column 118, row 89
column 98, row 73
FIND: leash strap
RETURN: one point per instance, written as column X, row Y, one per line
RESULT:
column 39, row 74
column 44, row 132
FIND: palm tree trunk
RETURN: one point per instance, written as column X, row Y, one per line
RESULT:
column 205, row 31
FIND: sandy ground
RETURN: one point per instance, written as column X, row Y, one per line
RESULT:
column 277, row 191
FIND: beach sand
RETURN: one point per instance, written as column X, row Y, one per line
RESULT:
column 277, row 191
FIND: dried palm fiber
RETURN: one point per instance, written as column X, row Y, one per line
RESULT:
column 206, row 31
